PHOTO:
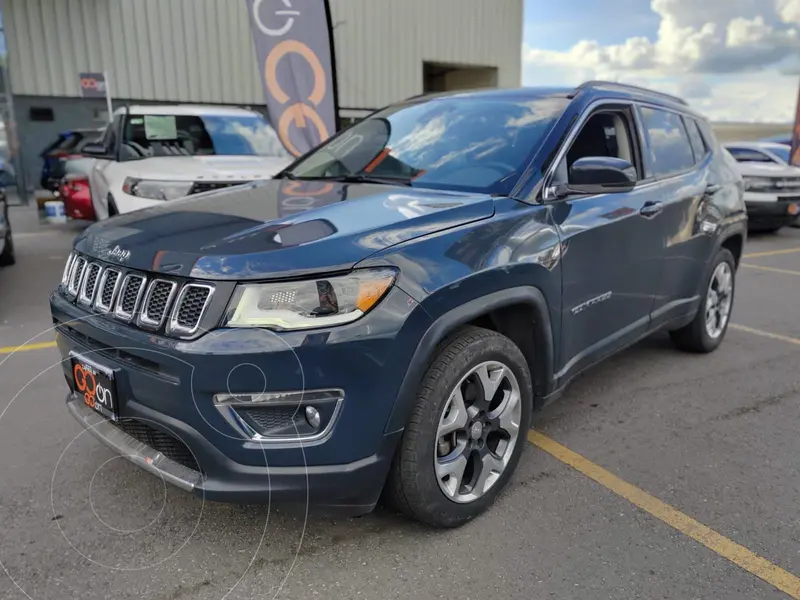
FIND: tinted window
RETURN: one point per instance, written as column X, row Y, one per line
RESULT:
column 749, row 155
column 192, row 135
column 668, row 144
column 469, row 144
column 696, row 139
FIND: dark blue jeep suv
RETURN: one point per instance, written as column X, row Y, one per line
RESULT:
column 382, row 318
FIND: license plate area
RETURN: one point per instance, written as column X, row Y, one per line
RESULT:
column 95, row 385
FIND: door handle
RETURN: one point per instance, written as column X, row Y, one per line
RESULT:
column 713, row 188
column 651, row 208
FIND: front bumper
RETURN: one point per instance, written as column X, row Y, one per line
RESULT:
column 771, row 210
column 351, row 489
column 168, row 386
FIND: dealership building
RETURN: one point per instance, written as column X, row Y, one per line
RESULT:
column 201, row 51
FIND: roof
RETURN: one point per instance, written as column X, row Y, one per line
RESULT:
column 523, row 93
column 198, row 110
column 601, row 89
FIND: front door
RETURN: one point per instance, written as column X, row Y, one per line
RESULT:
column 612, row 250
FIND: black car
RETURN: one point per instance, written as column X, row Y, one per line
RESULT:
column 383, row 317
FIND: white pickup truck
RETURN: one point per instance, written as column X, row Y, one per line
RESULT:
column 152, row 154
column 772, row 186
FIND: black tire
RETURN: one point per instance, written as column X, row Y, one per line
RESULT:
column 7, row 258
column 412, row 485
column 694, row 337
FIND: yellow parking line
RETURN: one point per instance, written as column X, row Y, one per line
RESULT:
column 772, row 269
column 739, row 555
column 767, row 334
column 771, row 253
column 27, row 347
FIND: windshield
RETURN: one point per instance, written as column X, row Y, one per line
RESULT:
column 146, row 136
column 467, row 144
column 781, row 152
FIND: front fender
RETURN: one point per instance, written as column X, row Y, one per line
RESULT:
column 451, row 320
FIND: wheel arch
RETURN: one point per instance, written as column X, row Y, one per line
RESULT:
column 505, row 311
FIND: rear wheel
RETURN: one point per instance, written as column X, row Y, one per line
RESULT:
column 706, row 331
column 466, row 431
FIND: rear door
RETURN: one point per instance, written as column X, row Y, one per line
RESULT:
column 681, row 163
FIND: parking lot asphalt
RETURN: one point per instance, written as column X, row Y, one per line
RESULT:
column 713, row 438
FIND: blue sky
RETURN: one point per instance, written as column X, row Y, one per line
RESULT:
column 736, row 60
column 558, row 25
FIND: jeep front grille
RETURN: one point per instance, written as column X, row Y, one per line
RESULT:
column 171, row 305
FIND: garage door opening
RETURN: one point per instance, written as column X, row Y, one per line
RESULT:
column 443, row 77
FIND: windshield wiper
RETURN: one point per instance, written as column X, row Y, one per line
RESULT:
column 365, row 178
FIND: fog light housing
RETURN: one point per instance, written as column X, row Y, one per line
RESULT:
column 281, row 417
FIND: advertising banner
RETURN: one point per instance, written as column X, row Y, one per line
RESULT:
column 794, row 157
column 294, row 48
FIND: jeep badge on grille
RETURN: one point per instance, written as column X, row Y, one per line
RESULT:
column 119, row 254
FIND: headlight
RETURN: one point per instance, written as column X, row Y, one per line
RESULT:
column 758, row 183
column 307, row 304
column 157, row 190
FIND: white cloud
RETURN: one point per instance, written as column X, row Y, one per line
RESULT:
column 758, row 40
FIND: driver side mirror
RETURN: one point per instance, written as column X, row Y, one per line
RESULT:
column 596, row 175
column 601, row 175
column 95, row 150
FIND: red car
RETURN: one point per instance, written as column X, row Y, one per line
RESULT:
column 77, row 196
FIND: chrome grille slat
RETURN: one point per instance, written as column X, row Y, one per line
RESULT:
column 107, row 289
column 190, row 307
column 130, row 296
column 156, row 302
column 89, row 285
column 76, row 276
column 67, row 269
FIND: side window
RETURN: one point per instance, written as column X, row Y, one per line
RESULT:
column 668, row 143
column 696, row 139
column 606, row 133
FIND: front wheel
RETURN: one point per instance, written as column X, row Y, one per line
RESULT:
column 466, row 432
column 706, row 331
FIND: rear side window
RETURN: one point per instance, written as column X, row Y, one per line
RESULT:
column 696, row 139
column 668, row 143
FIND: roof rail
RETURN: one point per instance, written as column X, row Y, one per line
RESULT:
column 629, row 88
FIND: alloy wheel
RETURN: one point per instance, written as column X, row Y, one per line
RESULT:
column 478, row 431
column 719, row 300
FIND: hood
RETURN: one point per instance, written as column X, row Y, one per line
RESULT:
column 206, row 168
column 277, row 228
column 756, row 169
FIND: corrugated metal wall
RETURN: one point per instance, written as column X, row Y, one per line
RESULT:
column 201, row 50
